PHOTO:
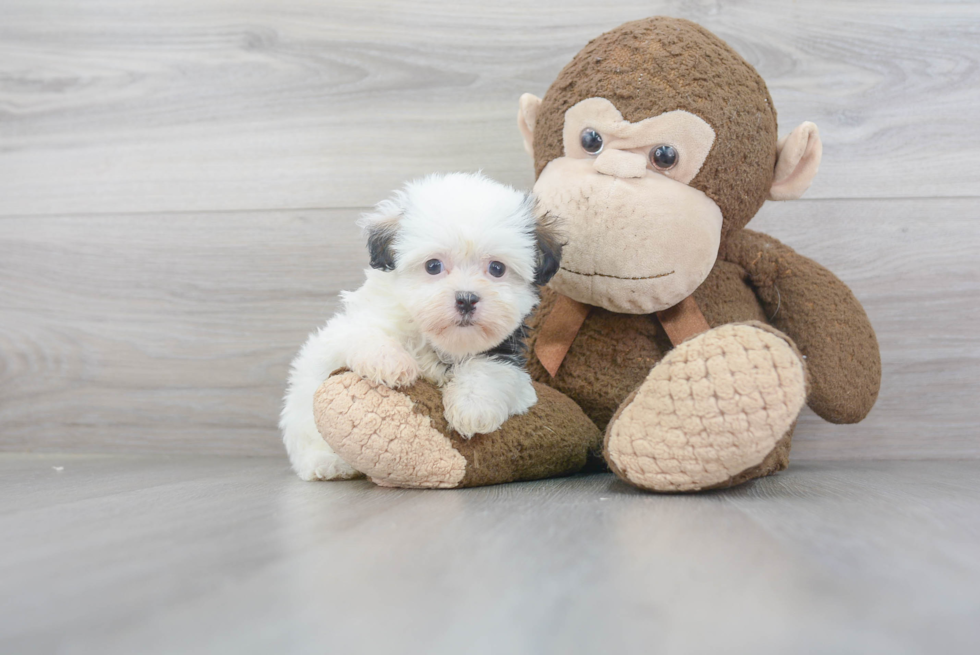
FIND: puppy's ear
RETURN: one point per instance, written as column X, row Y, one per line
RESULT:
column 380, row 240
column 381, row 227
column 550, row 241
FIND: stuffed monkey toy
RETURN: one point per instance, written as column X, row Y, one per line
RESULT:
column 673, row 344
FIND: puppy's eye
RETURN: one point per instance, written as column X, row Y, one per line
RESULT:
column 433, row 267
column 663, row 157
column 591, row 141
column 496, row 269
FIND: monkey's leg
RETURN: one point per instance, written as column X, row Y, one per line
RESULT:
column 718, row 410
column 400, row 438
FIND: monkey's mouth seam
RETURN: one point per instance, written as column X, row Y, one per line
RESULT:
column 618, row 277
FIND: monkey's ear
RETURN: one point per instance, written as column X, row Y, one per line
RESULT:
column 381, row 226
column 527, row 116
column 797, row 160
column 550, row 241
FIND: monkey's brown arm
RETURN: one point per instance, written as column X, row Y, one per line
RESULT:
column 820, row 314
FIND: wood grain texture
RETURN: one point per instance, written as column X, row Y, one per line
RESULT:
column 154, row 282
column 162, row 332
column 130, row 106
column 231, row 555
column 913, row 265
column 173, row 333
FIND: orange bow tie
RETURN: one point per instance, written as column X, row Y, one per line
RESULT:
column 681, row 322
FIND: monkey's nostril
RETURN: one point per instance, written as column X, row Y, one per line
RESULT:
column 466, row 302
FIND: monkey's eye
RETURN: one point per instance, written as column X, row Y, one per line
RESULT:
column 433, row 267
column 591, row 141
column 663, row 157
column 496, row 269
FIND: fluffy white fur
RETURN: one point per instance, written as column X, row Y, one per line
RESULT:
column 404, row 323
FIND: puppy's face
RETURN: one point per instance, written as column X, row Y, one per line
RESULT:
column 466, row 255
column 465, row 302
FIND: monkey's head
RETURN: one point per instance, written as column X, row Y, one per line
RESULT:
column 654, row 145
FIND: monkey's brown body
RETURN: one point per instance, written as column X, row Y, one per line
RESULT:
column 677, row 152
column 613, row 353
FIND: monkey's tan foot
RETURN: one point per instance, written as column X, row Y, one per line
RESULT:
column 400, row 438
column 719, row 409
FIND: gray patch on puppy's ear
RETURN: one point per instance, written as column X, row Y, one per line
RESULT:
column 379, row 242
column 381, row 227
column 550, row 241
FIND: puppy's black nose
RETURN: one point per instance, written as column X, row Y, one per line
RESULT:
column 466, row 302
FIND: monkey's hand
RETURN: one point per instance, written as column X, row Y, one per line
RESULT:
column 822, row 317
column 382, row 360
column 484, row 393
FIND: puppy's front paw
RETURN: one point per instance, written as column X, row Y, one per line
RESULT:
column 387, row 364
column 472, row 415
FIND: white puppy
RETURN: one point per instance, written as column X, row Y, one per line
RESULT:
column 457, row 260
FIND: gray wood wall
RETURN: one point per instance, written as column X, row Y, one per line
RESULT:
column 179, row 181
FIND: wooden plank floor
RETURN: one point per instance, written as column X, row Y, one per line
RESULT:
column 189, row 554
